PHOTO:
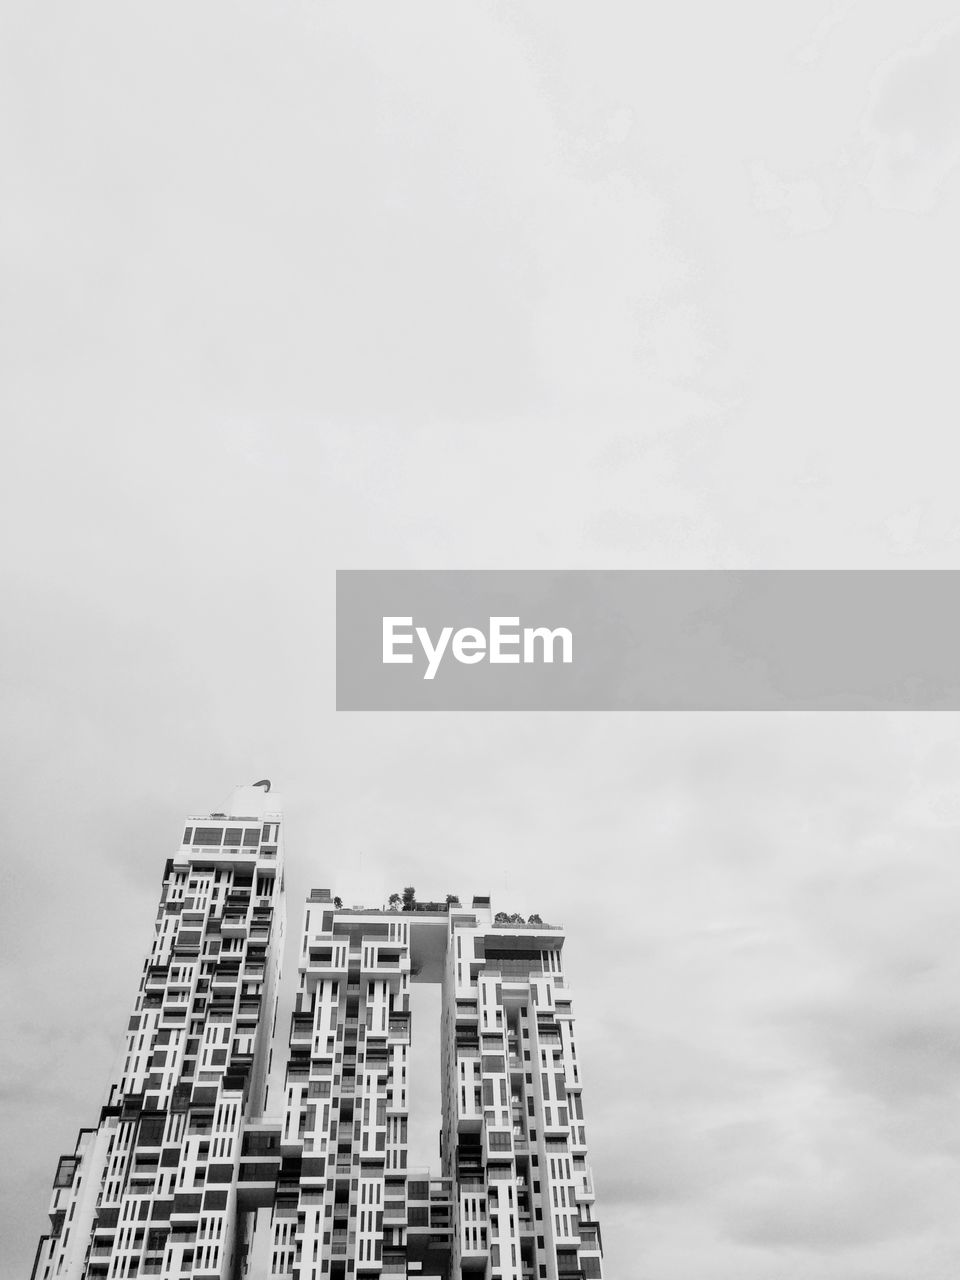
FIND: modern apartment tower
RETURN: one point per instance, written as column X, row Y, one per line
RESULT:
column 514, row 1197
column 186, row 1176
column 152, row 1189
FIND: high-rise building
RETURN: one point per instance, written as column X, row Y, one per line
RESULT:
column 514, row 1197
column 186, row 1177
column 153, row 1188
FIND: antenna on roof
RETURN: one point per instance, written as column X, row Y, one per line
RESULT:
column 264, row 782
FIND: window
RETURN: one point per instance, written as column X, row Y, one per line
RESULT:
column 151, row 1131
column 66, row 1171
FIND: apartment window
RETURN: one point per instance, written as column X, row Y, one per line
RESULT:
column 151, row 1131
column 66, row 1171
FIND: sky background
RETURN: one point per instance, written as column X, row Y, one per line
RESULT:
column 300, row 287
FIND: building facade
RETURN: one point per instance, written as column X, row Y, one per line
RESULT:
column 152, row 1189
column 187, row 1175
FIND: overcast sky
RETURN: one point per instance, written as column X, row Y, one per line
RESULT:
column 293, row 287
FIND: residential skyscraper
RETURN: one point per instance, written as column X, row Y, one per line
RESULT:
column 186, row 1176
column 514, row 1197
column 152, row 1189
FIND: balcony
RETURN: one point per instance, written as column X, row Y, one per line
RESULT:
column 589, row 1235
column 301, row 1029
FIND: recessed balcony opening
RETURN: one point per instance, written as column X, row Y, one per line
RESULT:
column 423, row 1076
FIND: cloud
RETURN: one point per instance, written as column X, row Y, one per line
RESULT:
column 813, row 49
column 911, row 130
column 799, row 202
